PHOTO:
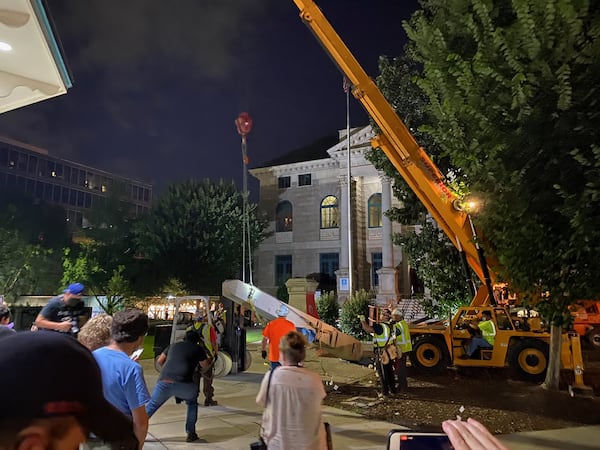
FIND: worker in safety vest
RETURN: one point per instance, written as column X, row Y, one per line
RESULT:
column 488, row 332
column 385, row 353
column 208, row 339
column 403, row 346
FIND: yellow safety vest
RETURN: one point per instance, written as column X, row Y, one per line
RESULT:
column 204, row 335
column 488, row 330
column 383, row 339
column 403, row 336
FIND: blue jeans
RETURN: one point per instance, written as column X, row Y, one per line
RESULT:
column 274, row 364
column 163, row 391
column 477, row 342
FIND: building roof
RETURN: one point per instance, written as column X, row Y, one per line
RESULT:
column 31, row 55
column 315, row 150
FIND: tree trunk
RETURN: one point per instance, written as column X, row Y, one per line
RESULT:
column 553, row 373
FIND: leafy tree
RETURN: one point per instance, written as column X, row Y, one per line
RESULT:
column 38, row 223
column 430, row 252
column 23, row 266
column 329, row 308
column 195, row 233
column 438, row 265
column 356, row 305
column 109, row 286
column 32, row 234
column 513, row 88
column 283, row 294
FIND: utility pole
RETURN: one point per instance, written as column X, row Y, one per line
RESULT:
column 244, row 126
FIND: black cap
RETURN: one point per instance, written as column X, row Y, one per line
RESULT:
column 47, row 374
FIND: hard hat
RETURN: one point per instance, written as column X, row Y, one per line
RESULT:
column 283, row 310
column 397, row 312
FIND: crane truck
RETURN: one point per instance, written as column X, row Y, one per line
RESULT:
column 437, row 345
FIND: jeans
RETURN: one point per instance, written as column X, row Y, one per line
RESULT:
column 274, row 364
column 163, row 391
column 477, row 342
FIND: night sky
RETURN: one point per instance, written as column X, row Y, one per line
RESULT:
column 158, row 84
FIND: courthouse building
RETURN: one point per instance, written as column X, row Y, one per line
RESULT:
column 305, row 196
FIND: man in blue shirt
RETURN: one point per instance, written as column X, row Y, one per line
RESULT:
column 122, row 378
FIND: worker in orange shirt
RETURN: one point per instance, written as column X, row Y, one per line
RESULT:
column 273, row 332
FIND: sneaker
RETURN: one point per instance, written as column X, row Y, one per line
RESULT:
column 192, row 437
column 210, row 403
column 464, row 357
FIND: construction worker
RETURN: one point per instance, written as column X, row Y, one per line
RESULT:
column 272, row 334
column 385, row 352
column 488, row 331
column 403, row 346
column 208, row 340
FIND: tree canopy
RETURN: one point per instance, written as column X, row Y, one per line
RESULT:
column 513, row 89
column 429, row 251
column 513, row 99
column 194, row 234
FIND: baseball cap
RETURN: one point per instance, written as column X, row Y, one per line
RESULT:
column 283, row 310
column 48, row 374
column 75, row 288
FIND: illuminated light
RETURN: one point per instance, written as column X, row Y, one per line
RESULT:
column 53, row 173
column 5, row 46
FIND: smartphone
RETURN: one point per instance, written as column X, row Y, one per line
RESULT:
column 410, row 440
column 137, row 353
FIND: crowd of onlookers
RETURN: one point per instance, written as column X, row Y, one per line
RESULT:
column 76, row 383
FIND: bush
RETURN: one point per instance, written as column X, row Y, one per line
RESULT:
column 283, row 294
column 328, row 308
column 357, row 305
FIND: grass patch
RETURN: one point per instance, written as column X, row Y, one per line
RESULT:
column 253, row 335
column 148, row 348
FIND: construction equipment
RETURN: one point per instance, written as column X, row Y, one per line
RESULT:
column 439, row 344
column 329, row 338
column 586, row 321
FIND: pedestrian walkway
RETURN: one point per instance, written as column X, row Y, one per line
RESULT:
column 234, row 423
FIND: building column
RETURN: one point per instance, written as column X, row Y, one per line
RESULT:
column 342, row 273
column 388, row 276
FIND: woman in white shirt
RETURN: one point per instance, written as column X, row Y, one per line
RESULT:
column 292, row 418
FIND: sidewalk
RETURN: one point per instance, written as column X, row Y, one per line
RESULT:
column 234, row 423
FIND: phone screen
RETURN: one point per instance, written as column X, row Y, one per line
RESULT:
column 408, row 440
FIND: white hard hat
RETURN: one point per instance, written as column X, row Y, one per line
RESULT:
column 397, row 312
column 283, row 310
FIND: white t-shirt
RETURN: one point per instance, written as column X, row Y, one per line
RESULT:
column 292, row 419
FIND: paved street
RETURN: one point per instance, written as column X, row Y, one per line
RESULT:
column 234, row 423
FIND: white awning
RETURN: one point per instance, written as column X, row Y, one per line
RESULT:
column 32, row 67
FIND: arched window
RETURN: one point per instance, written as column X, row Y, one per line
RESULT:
column 284, row 217
column 330, row 212
column 374, row 206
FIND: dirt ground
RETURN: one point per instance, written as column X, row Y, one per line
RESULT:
column 494, row 397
